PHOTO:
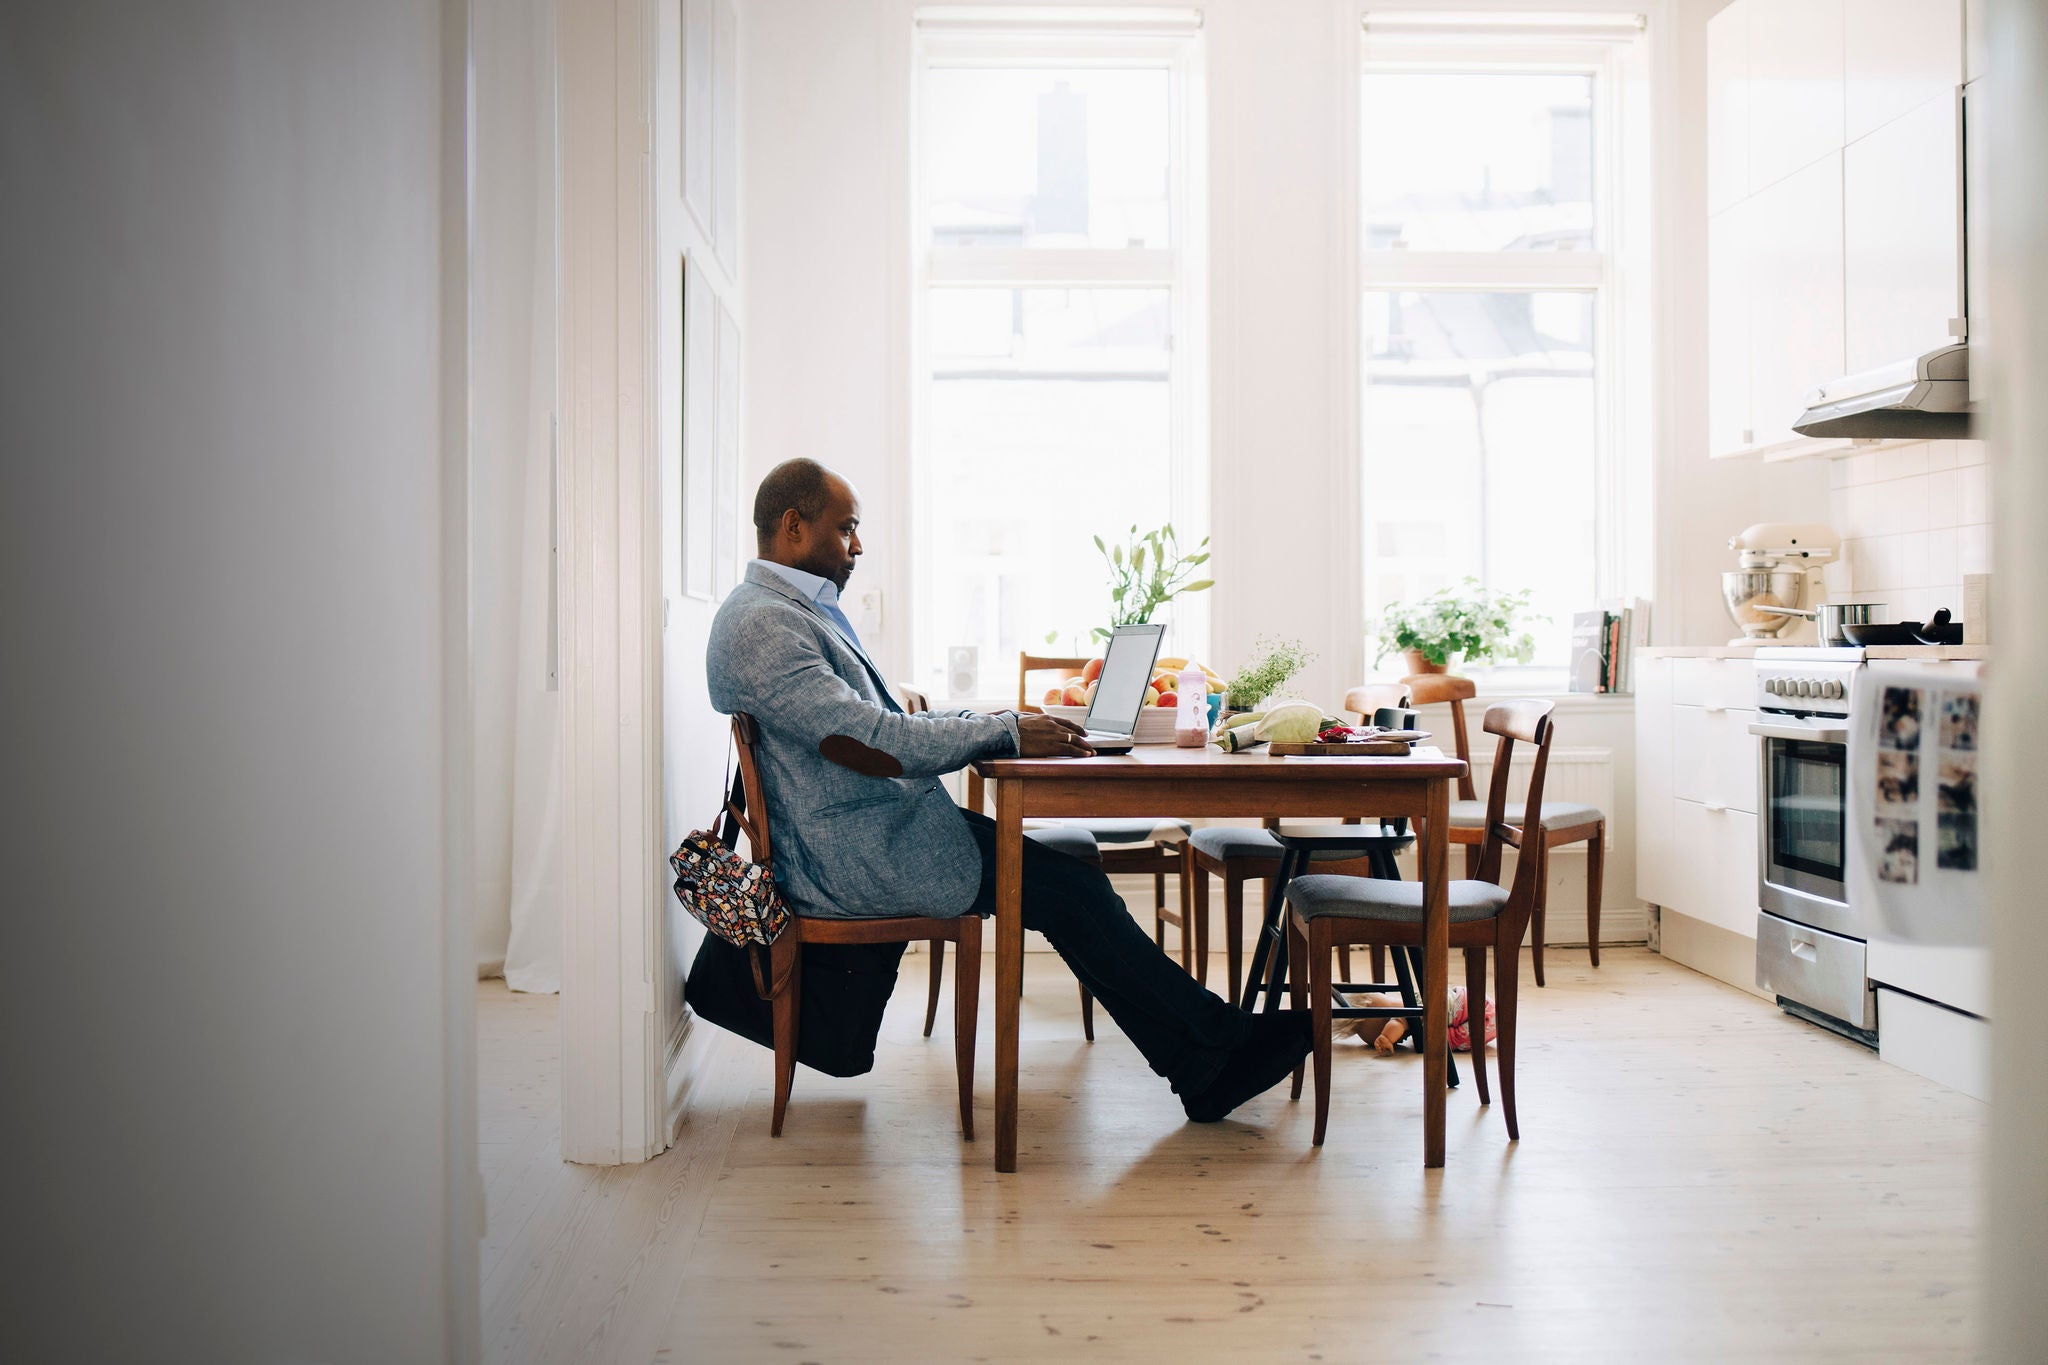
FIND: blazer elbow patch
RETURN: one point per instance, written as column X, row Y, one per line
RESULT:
column 849, row 752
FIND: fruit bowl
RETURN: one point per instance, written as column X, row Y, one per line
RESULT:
column 1155, row 723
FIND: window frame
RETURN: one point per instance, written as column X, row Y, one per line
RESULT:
column 1180, row 268
column 1614, row 272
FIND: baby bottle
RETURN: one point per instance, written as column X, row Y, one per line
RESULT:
column 1191, row 718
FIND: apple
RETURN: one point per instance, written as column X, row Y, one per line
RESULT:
column 1074, row 695
column 1151, row 697
column 1052, row 696
column 1166, row 682
column 1091, row 692
column 1091, row 670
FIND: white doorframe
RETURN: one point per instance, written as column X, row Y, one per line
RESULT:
column 462, row 1184
column 610, row 576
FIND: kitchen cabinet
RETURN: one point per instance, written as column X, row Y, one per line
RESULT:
column 1794, row 100
column 1897, row 55
column 1696, row 789
column 1728, row 107
column 1795, row 283
column 1728, row 329
column 1903, row 234
column 1835, row 229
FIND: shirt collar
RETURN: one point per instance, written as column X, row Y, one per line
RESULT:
column 823, row 591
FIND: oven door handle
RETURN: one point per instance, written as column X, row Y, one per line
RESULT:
column 1816, row 734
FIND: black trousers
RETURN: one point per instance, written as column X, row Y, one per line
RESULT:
column 1182, row 1029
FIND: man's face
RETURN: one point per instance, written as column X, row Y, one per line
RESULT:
column 829, row 545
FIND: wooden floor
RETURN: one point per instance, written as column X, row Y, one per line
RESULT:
column 1700, row 1178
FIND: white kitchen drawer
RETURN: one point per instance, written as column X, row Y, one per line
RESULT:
column 1713, row 757
column 1715, row 851
column 1728, row 684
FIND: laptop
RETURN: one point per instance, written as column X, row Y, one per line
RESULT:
column 1120, row 690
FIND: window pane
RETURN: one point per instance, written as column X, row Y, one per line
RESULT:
column 1050, row 423
column 1046, row 157
column 1480, row 435
column 1478, row 161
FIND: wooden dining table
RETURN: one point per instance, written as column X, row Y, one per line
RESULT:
column 1161, row 780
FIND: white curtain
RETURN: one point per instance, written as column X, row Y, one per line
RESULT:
column 512, row 392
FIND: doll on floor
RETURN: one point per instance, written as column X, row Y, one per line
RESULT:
column 1385, row 1033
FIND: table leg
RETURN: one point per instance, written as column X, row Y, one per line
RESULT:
column 1009, row 962
column 1436, row 969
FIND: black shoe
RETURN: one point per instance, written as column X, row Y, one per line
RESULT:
column 1275, row 1046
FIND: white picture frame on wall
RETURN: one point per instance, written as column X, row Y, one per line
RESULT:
column 700, row 481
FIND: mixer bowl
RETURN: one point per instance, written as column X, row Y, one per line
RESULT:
column 1744, row 590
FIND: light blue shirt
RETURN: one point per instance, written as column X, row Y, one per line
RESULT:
column 820, row 590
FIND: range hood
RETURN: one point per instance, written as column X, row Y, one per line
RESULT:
column 1922, row 400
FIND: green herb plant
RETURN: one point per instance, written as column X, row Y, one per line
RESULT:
column 1273, row 663
column 1147, row 573
column 1481, row 624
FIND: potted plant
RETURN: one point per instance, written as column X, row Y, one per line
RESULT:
column 1465, row 623
column 1147, row 573
column 1273, row 663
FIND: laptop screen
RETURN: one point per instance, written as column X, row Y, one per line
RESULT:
column 1126, row 671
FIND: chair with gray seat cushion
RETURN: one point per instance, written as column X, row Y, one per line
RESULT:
column 1326, row 911
column 1238, row 854
column 1564, row 822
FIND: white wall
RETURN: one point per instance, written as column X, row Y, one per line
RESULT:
column 236, row 1029
column 1914, row 520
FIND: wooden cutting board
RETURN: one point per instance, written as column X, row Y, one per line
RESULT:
column 1369, row 748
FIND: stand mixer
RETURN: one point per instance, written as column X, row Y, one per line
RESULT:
column 1777, row 560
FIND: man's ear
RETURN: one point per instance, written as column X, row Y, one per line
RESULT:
column 791, row 527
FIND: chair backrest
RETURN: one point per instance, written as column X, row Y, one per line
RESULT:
column 746, row 807
column 1370, row 697
column 1513, row 722
column 1027, row 664
column 914, row 701
column 1428, row 689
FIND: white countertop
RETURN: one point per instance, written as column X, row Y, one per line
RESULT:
column 1929, row 653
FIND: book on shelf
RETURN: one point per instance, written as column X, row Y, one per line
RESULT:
column 1604, row 646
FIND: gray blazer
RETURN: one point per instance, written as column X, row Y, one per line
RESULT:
column 847, row 844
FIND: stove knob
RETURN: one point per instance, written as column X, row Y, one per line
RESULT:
column 1831, row 689
column 1775, row 686
column 1808, row 687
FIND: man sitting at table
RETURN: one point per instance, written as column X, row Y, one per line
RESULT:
column 864, row 827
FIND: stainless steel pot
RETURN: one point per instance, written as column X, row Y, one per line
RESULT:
column 1831, row 617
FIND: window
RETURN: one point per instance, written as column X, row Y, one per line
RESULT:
column 1056, row 242
column 1498, row 413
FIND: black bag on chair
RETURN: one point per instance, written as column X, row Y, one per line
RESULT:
column 845, row 990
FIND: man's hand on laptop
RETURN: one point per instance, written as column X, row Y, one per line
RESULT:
column 1050, row 737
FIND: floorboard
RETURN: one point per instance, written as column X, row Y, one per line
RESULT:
column 1700, row 1178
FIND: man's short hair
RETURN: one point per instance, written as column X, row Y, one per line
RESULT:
column 801, row 484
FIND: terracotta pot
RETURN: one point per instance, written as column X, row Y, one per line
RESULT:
column 1419, row 663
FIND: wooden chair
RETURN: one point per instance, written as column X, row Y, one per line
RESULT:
column 786, row 954
column 1126, row 845
column 1074, row 843
column 1238, row 854
column 1326, row 911
column 1564, row 822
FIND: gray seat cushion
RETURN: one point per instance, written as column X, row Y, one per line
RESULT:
column 1130, row 830
column 1238, row 841
column 1317, row 897
column 1557, row 815
column 1075, row 843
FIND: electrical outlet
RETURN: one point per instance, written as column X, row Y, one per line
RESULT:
column 868, row 612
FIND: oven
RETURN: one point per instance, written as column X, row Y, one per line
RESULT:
column 1802, row 844
column 1811, row 937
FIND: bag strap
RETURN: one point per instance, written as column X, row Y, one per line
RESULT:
column 729, row 834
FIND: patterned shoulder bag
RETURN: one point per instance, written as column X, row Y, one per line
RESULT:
column 731, row 896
